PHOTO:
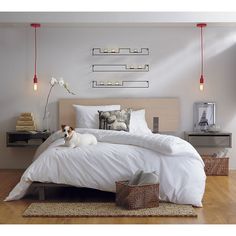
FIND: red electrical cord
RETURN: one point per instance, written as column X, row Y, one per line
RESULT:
column 201, row 25
column 35, row 25
column 35, row 52
column 201, row 52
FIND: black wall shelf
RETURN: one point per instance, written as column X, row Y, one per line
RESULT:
column 119, row 68
column 121, row 84
column 120, row 52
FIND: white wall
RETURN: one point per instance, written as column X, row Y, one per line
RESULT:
column 66, row 52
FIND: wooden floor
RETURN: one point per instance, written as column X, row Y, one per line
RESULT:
column 219, row 206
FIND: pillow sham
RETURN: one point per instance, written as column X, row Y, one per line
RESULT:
column 138, row 123
column 115, row 120
column 87, row 116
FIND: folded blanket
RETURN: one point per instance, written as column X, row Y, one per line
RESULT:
column 164, row 144
column 142, row 178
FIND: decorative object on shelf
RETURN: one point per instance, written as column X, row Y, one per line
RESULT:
column 120, row 51
column 201, row 25
column 119, row 68
column 121, row 84
column 46, row 115
column 35, row 80
column 214, row 128
column 204, row 116
column 155, row 125
column 25, row 122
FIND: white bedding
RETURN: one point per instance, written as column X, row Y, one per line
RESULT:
column 117, row 156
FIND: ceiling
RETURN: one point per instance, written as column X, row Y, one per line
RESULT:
column 85, row 19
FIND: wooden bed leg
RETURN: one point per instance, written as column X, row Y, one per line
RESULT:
column 41, row 193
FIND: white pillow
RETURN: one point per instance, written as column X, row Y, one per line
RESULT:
column 138, row 123
column 87, row 116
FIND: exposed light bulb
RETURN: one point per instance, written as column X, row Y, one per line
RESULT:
column 201, row 87
column 201, row 83
column 35, row 79
column 35, row 86
column 35, row 82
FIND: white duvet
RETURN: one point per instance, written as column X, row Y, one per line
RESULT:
column 117, row 156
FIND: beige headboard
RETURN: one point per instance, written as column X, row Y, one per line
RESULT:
column 167, row 109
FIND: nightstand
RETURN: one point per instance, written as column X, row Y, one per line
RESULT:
column 207, row 139
column 213, row 165
column 25, row 138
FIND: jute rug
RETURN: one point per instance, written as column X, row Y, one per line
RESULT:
column 104, row 209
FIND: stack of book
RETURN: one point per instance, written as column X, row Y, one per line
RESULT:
column 25, row 122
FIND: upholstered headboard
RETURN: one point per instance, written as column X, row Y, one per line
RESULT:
column 167, row 109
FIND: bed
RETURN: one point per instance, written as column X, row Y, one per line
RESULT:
column 118, row 155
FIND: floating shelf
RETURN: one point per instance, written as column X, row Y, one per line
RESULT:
column 121, row 84
column 120, row 51
column 119, row 68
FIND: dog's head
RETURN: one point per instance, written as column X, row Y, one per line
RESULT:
column 67, row 131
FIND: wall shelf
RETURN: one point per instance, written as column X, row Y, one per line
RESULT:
column 25, row 138
column 121, row 84
column 120, row 51
column 209, row 139
column 119, row 68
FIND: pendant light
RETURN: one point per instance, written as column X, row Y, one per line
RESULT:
column 35, row 79
column 201, row 25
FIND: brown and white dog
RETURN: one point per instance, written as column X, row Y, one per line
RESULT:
column 73, row 139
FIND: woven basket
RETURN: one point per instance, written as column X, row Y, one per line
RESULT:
column 137, row 197
column 216, row 166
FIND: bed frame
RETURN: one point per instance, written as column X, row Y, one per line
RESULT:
column 166, row 109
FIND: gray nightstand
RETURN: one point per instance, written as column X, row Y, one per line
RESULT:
column 25, row 138
column 213, row 165
column 207, row 139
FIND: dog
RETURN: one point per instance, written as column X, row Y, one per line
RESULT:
column 73, row 139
